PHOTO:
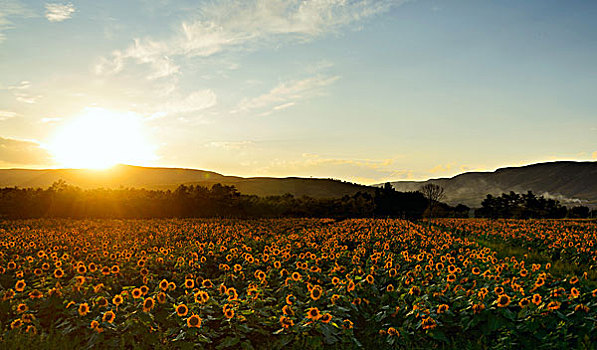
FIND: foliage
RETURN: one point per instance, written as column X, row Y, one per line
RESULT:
column 297, row 283
column 517, row 206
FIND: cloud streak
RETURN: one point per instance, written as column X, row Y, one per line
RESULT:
column 287, row 94
column 227, row 25
column 193, row 102
column 56, row 12
column 4, row 115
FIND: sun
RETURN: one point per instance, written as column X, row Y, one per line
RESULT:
column 99, row 139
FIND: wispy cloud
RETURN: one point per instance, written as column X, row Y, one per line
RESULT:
column 20, row 91
column 233, row 24
column 230, row 145
column 193, row 102
column 50, row 120
column 363, row 170
column 441, row 168
column 287, row 94
column 10, row 9
column 4, row 115
column 57, row 12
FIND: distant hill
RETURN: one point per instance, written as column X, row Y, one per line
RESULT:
column 170, row 178
column 572, row 183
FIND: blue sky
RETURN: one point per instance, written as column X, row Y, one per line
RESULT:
column 366, row 91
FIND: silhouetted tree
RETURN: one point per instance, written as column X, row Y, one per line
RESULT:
column 434, row 194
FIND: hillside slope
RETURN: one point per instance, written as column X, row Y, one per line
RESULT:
column 572, row 183
column 170, row 178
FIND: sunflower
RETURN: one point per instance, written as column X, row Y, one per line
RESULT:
column 194, row 321
column 117, row 300
column 163, row 284
column 161, row 297
column 296, row 276
column 136, row 293
column 182, row 310
column 537, row 299
column 553, row 305
column 503, row 300
column 478, row 308
column 393, row 332
column 189, row 283
column 286, row 322
column 414, row 290
column 351, row 286
column 83, row 309
column 94, row 324
column 313, row 313
column 22, row 308
column 171, row 286
column 201, row 297
column 392, row 272
column 316, row 292
column 16, row 323
column 581, row 307
column 334, row 299
column 574, row 293
column 232, row 294
column 108, row 316
column 144, row 290
column 148, row 304
column 81, row 269
column 20, row 285
column 102, row 302
column 287, row 310
column 36, row 294
column 290, row 299
column 428, row 323
column 369, row 279
column 228, row 313
column 442, row 308
column 326, row 318
column 347, row 324
column 524, row 302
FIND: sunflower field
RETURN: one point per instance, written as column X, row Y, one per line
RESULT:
column 294, row 283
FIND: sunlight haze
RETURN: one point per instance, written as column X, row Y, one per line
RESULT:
column 364, row 91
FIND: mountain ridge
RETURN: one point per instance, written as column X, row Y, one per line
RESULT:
column 571, row 182
column 162, row 178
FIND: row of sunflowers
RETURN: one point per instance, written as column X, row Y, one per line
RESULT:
column 310, row 283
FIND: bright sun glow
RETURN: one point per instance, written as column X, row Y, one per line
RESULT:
column 99, row 139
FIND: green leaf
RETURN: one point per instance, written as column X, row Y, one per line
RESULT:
column 228, row 342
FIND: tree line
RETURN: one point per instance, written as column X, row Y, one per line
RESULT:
column 527, row 206
column 65, row 201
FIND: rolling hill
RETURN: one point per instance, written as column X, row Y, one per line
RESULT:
column 572, row 183
column 170, row 178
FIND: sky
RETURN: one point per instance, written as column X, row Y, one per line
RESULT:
column 359, row 90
